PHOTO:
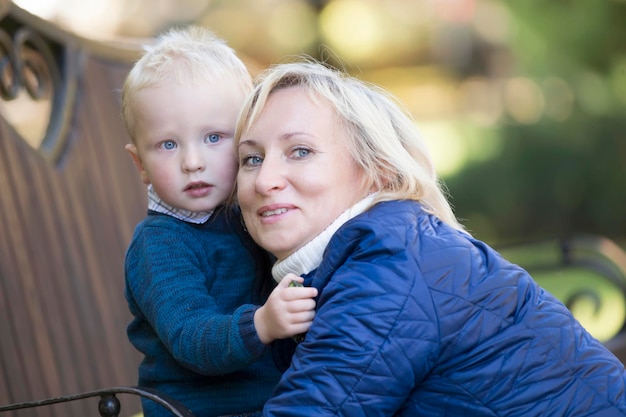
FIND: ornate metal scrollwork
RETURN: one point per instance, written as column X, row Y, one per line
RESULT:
column 37, row 83
column 588, row 274
column 26, row 61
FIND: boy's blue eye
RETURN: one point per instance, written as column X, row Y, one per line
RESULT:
column 213, row 138
column 168, row 144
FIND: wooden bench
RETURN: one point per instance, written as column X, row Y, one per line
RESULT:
column 70, row 198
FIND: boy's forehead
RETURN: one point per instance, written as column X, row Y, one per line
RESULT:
column 208, row 82
column 213, row 98
column 203, row 83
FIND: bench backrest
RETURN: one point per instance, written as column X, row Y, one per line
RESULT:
column 68, row 206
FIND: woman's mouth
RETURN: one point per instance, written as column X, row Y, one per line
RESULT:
column 269, row 213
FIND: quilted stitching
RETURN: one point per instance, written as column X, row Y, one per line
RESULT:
column 415, row 318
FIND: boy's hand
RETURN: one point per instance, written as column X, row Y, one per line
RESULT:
column 288, row 311
column 300, row 336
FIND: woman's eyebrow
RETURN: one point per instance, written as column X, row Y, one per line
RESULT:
column 247, row 142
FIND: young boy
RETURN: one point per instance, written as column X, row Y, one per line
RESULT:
column 193, row 276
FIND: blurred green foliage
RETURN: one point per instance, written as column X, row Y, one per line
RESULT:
column 549, row 180
column 556, row 178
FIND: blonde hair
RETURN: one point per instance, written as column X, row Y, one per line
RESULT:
column 381, row 135
column 191, row 54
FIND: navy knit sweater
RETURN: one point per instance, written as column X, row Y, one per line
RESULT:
column 193, row 290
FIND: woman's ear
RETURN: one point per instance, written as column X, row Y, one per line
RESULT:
column 132, row 150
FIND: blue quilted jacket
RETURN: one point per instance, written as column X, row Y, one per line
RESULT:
column 417, row 319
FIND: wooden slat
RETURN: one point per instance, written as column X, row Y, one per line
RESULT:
column 64, row 234
column 10, row 359
column 21, row 279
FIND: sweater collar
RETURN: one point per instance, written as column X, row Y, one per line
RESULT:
column 156, row 204
column 309, row 256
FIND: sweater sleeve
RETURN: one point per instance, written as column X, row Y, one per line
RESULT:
column 183, row 295
column 371, row 341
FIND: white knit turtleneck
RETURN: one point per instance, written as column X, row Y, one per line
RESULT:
column 308, row 257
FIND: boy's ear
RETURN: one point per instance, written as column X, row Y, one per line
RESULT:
column 132, row 150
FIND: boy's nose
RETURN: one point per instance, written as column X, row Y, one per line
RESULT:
column 192, row 161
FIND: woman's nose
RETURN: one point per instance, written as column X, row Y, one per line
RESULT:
column 270, row 176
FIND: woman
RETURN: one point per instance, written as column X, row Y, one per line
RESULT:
column 415, row 316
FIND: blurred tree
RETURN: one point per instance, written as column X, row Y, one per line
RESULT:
column 558, row 177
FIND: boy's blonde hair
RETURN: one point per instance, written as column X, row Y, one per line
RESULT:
column 381, row 135
column 190, row 55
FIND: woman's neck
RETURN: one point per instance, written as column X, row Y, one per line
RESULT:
column 309, row 256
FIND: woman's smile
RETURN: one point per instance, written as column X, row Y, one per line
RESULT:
column 294, row 153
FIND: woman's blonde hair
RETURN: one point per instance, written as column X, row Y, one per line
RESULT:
column 381, row 134
column 189, row 55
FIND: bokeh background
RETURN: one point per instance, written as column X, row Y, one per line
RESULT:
column 523, row 103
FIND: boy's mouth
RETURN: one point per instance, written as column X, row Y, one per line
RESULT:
column 196, row 186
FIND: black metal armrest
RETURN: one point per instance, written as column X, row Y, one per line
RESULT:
column 109, row 405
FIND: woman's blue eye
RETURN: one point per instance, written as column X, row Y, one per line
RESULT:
column 213, row 138
column 302, row 152
column 252, row 161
